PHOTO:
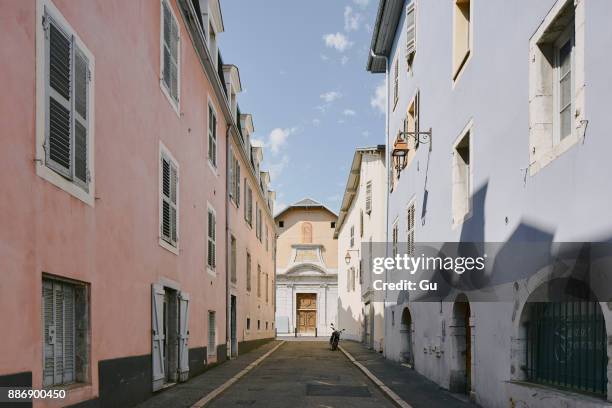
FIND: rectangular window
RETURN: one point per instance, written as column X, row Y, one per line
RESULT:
column 267, row 289
column 410, row 32
column 169, row 199
column 212, row 239
column 248, row 204
column 410, row 216
column 233, row 259
column 266, row 235
column 212, row 333
column 461, row 189
column 411, row 129
column 281, row 224
column 257, row 222
column 361, row 224
column 68, row 108
column 212, row 136
column 258, row 324
column 65, row 332
column 395, row 83
column 170, row 63
column 564, row 94
column 368, row 198
column 258, row 280
column 462, row 35
column 237, row 182
column 395, row 238
column 248, row 272
column 352, row 242
column 248, row 323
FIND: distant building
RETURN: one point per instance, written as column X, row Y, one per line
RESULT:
column 306, row 269
column 361, row 223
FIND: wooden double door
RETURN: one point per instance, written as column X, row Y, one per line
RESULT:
column 306, row 312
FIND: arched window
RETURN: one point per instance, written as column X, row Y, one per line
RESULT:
column 306, row 233
column 565, row 340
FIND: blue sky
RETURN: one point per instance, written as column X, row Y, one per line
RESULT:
column 302, row 67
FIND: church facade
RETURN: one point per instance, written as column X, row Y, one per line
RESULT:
column 306, row 270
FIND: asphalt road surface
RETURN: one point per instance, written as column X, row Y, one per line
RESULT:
column 303, row 374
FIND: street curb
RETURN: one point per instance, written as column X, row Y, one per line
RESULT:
column 217, row 391
column 386, row 390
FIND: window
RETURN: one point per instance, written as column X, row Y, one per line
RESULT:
column 212, row 333
column 169, row 199
column 411, row 129
column 248, row 272
column 267, row 289
column 212, row 239
column 258, row 221
column 361, row 224
column 410, row 32
column 267, row 237
column 65, row 83
column 566, row 346
column 395, row 238
column 281, row 224
column 410, row 216
column 352, row 243
column 233, row 259
column 237, row 182
column 65, row 332
column 248, row 323
column 461, row 189
column 462, row 35
column 258, row 280
column 266, row 325
column 258, row 324
column 368, row 198
column 395, row 83
column 556, row 84
column 212, row 136
column 332, row 224
column 170, row 56
column 248, row 204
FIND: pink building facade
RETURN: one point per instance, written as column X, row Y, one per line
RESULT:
column 116, row 117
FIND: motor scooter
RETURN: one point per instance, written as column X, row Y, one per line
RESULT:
column 335, row 337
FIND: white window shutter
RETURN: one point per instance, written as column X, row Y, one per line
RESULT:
column 81, row 118
column 68, row 374
column 49, row 333
column 173, row 202
column 237, row 176
column 183, row 336
column 157, row 332
column 368, row 203
column 230, row 177
column 410, row 31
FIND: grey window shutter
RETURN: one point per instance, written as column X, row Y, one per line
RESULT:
column 230, row 177
column 410, row 31
column 170, row 50
column 49, row 333
column 237, row 183
column 58, row 146
column 58, row 346
column 81, row 105
column 69, row 333
column 183, row 336
column 173, row 202
column 166, row 225
column 157, row 333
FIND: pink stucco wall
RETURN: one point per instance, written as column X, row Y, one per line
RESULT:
column 114, row 245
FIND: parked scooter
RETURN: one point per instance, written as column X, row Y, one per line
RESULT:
column 335, row 337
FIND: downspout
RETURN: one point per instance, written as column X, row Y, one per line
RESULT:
column 228, row 313
column 389, row 174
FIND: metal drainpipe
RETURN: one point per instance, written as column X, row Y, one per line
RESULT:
column 228, row 312
column 389, row 173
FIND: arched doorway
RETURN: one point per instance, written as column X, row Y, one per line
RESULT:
column 406, row 351
column 461, row 332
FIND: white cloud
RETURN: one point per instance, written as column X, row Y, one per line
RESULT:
column 362, row 3
column 278, row 137
column 341, row 121
column 365, row 133
column 351, row 19
column 330, row 96
column 349, row 112
column 344, row 59
column 257, row 142
column 277, row 168
column 379, row 100
column 316, row 122
column 338, row 41
column 324, row 57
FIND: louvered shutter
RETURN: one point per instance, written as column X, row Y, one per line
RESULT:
column 166, row 224
column 171, row 51
column 410, row 219
column 237, row 181
column 81, row 93
column 49, row 333
column 183, row 336
column 368, row 203
column 173, row 202
column 417, row 108
column 158, row 335
column 58, row 145
column 211, row 240
column 410, row 31
column 230, row 177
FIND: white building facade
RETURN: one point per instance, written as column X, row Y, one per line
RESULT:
column 361, row 223
column 306, row 270
column 516, row 95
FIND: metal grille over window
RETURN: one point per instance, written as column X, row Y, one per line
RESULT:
column 567, row 346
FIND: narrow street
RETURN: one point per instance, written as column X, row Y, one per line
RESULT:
column 304, row 374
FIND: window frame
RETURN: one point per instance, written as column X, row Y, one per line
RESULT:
column 42, row 168
column 213, row 314
column 468, row 131
column 458, row 70
column 212, row 160
column 567, row 35
column 211, row 269
column 410, row 229
column 176, row 104
column 165, row 153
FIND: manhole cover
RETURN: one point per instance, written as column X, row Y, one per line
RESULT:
column 320, row 390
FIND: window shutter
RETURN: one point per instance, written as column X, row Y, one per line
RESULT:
column 212, row 333
column 69, row 350
column 183, row 336
column 173, row 202
column 58, row 146
column 410, row 229
column 237, row 178
column 49, row 333
column 368, row 203
column 169, row 200
column 230, row 177
column 171, row 52
column 410, row 31
column 157, row 333
column 81, row 93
